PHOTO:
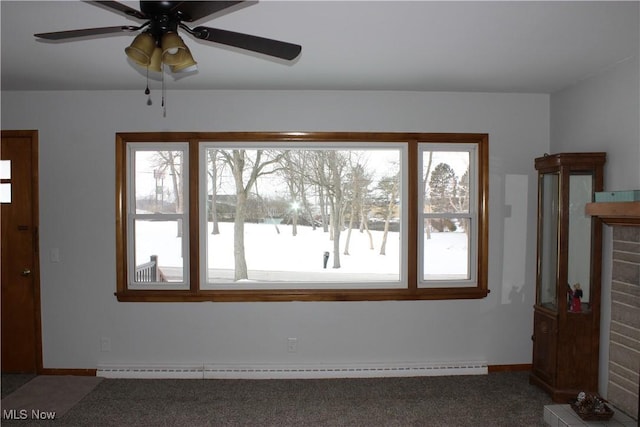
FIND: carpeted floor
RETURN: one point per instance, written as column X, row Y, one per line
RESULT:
column 12, row 382
column 497, row 399
column 47, row 396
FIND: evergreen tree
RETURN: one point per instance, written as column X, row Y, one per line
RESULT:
column 442, row 192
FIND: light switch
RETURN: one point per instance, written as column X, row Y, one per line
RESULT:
column 54, row 255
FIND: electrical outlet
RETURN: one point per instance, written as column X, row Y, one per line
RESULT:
column 105, row 344
column 292, row 345
column 54, row 255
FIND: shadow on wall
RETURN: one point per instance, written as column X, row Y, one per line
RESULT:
column 514, row 255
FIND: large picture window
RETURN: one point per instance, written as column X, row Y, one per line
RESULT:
column 280, row 216
column 301, row 216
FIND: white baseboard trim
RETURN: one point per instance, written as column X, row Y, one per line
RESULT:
column 303, row 371
column 150, row 371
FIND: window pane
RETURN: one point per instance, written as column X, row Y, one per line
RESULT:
column 446, row 249
column 579, row 254
column 321, row 216
column 5, row 188
column 5, row 169
column 5, row 193
column 158, row 251
column 548, row 229
column 158, row 181
column 445, row 177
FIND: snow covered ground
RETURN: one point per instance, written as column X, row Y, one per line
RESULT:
column 273, row 256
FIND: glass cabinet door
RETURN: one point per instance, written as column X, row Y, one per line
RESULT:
column 548, row 240
column 579, row 254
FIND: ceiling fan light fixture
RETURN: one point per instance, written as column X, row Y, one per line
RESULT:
column 141, row 49
column 184, row 69
column 173, row 49
column 186, row 66
column 155, row 63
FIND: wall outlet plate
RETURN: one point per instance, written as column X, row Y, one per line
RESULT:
column 292, row 345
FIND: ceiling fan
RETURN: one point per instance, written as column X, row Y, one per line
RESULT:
column 159, row 42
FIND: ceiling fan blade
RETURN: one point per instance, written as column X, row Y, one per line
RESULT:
column 119, row 7
column 190, row 11
column 62, row 35
column 269, row 47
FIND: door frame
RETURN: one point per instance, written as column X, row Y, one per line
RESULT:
column 32, row 137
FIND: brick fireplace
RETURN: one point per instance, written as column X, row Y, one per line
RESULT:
column 624, row 341
column 624, row 344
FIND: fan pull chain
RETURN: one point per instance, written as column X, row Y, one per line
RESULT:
column 147, row 91
column 164, row 91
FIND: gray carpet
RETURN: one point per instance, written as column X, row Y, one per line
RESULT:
column 48, row 396
column 12, row 382
column 497, row 399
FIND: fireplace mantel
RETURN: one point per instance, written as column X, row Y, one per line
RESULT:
column 616, row 213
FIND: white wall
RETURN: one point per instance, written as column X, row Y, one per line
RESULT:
column 77, row 216
column 602, row 113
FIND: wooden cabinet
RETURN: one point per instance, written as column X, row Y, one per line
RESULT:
column 566, row 315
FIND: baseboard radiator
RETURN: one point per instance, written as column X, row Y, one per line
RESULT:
column 271, row 371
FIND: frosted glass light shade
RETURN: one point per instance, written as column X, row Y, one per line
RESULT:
column 156, row 60
column 174, row 51
column 141, row 49
column 187, row 65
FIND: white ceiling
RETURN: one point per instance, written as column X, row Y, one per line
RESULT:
column 507, row 46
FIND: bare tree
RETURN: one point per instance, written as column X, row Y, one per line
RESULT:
column 302, row 164
column 350, row 227
column 172, row 162
column 318, row 178
column 329, row 167
column 336, row 166
column 249, row 168
column 294, row 179
column 322, row 201
column 213, row 174
column 364, row 208
column 390, row 187
column 358, row 181
column 427, row 202
column 266, row 210
column 364, row 225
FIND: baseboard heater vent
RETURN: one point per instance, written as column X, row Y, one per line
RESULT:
column 270, row 371
column 150, row 371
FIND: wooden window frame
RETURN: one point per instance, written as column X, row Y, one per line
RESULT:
column 411, row 292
